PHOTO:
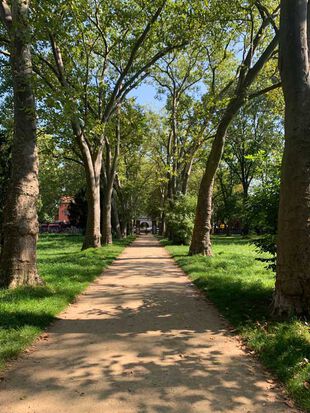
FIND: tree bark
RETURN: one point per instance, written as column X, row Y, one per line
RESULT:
column 92, row 166
column 20, row 226
column 116, row 225
column 92, row 238
column 129, row 230
column 292, row 289
column 201, row 239
column 106, row 217
column 110, row 174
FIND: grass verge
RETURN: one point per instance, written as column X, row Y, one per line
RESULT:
column 66, row 270
column 241, row 288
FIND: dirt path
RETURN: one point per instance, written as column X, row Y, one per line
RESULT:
column 141, row 339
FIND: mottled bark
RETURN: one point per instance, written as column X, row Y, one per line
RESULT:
column 110, row 165
column 292, row 290
column 92, row 167
column 20, row 226
column 92, row 238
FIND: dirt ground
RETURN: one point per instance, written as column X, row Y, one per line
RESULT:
column 141, row 339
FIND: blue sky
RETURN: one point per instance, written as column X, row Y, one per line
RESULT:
column 145, row 95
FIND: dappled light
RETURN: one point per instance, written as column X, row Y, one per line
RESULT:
column 140, row 339
column 181, row 127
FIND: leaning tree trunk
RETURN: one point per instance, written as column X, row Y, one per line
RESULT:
column 20, row 226
column 292, row 290
column 201, row 238
column 201, row 243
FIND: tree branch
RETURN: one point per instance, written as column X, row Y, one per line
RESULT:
column 264, row 91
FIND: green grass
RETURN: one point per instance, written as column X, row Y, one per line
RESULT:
column 241, row 288
column 66, row 270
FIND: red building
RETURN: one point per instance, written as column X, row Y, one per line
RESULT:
column 63, row 210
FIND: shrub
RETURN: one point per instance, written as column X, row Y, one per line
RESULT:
column 263, row 214
column 180, row 219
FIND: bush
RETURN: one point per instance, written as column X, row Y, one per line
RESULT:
column 262, row 211
column 180, row 219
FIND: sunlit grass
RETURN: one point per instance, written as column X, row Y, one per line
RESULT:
column 241, row 288
column 66, row 270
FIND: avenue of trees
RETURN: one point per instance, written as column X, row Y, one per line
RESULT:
column 230, row 148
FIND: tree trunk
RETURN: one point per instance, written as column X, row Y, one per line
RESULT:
column 185, row 176
column 162, row 224
column 247, row 74
column 106, row 215
column 292, row 290
column 20, row 226
column 92, row 167
column 110, row 175
column 129, row 227
column 92, row 238
column 116, row 226
column 201, row 239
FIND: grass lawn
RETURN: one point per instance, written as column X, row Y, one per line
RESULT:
column 25, row 312
column 241, row 288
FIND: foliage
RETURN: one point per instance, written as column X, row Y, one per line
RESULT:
column 58, row 176
column 78, row 210
column 26, row 311
column 227, row 198
column 262, row 210
column 180, row 219
column 242, row 289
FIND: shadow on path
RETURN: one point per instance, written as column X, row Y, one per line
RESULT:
column 141, row 339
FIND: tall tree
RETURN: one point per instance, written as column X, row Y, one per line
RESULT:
column 292, row 292
column 254, row 58
column 20, row 226
column 255, row 134
column 98, row 53
column 177, row 76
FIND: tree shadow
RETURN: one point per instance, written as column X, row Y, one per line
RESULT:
column 146, row 347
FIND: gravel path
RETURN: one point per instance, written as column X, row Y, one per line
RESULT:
column 141, row 339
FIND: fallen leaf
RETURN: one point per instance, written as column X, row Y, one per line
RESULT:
column 289, row 403
column 307, row 385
